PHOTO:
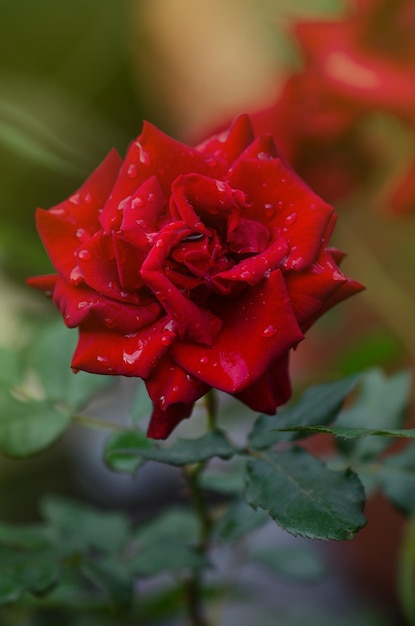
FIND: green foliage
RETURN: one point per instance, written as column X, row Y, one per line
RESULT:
column 181, row 452
column 299, row 562
column 318, row 405
column 304, row 497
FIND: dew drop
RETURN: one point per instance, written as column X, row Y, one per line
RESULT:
column 130, row 358
column 176, row 388
column 269, row 331
column 263, row 156
column 143, row 155
column 137, row 202
column 59, row 211
column 267, row 273
column 159, row 243
column 103, row 359
column 280, row 204
column 76, row 276
column 141, row 223
column 124, row 294
column 75, row 199
column 290, row 219
column 220, row 186
column 211, row 162
column 109, row 322
column 132, row 170
column 84, row 255
column 204, row 360
column 269, row 210
column 81, row 234
column 83, row 304
column 246, row 275
column 166, row 340
column 88, row 198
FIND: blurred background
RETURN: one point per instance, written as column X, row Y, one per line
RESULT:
column 333, row 81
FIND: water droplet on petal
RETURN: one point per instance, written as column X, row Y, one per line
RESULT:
column 143, row 156
column 269, row 210
column 280, row 204
column 76, row 276
column 290, row 219
column 204, row 360
column 81, row 234
column 176, row 388
column 130, row 358
column 220, row 186
column 245, row 275
column 159, row 243
column 132, row 170
column 269, row 331
column 109, row 322
column 263, row 156
column 166, row 340
column 58, row 211
column 75, row 199
column 84, row 255
column 103, row 359
column 83, row 304
column 88, row 198
column 137, row 202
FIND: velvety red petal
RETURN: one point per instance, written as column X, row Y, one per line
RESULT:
column 287, row 203
column 258, row 328
column 169, row 384
column 254, row 269
column 318, row 289
column 104, row 351
column 192, row 321
column 271, row 390
column 155, row 154
column 230, row 143
column 44, row 283
column 162, row 423
column 77, row 304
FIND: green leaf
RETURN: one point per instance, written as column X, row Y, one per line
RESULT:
column 318, row 405
column 50, row 356
column 80, row 526
column 181, row 452
column 397, row 477
column 304, row 497
column 10, row 367
column 300, row 563
column 28, row 427
column 353, row 433
column 24, row 536
column 227, row 482
column 35, row 572
column 382, row 402
column 111, row 576
column 167, row 544
column 118, row 455
column 239, row 520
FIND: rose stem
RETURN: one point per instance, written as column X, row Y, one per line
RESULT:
column 193, row 588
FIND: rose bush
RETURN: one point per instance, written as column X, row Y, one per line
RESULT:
column 193, row 268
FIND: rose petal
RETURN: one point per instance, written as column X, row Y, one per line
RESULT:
column 265, row 316
column 77, row 304
column 169, row 384
column 191, row 320
column 270, row 391
column 104, row 351
column 230, row 143
column 162, row 423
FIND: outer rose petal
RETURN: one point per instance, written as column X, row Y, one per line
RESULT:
column 162, row 423
column 265, row 316
column 104, row 351
column 270, row 391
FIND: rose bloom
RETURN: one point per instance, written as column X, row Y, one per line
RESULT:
column 193, row 268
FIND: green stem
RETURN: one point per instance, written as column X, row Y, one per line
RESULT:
column 95, row 422
column 211, row 404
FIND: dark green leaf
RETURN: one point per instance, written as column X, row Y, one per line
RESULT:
column 50, row 356
column 382, row 404
column 21, row 572
column 397, row 476
column 24, row 536
column 118, row 455
column 113, row 577
column 223, row 482
column 304, row 497
column 28, row 427
column 300, row 562
column 183, row 451
column 166, row 544
column 318, row 405
column 239, row 520
column 354, row 433
column 81, row 526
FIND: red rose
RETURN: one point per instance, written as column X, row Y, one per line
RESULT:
column 192, row 269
